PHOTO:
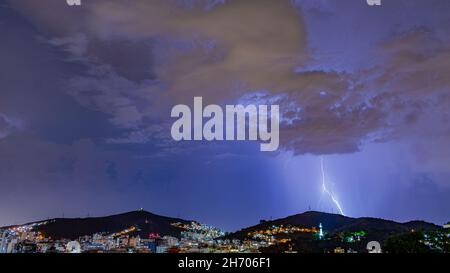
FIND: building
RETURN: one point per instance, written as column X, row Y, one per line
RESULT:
column 170, row 241
column 339, row 250
column 134, row 242
column 161, row 249
column 11, row 246
column 152, row 245
column 3, row 241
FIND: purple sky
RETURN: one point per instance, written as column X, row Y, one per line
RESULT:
column 86, row 93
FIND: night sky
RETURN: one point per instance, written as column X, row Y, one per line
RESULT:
column 86, row 94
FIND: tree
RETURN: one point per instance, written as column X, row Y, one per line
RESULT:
column 406, row 243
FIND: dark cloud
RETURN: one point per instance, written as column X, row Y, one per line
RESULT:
column 238, row 53
column 165, row 52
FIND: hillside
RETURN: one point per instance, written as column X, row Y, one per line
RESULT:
column 145, row 223
column 334, row 223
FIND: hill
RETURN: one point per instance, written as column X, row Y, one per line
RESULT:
column 144, row 222
column 334, row 223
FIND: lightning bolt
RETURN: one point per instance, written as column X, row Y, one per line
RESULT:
column 325, row 189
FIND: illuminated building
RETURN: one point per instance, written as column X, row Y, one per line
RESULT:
column 11, row 246
column 339, row 250
column 161, row 249
column 3, row 242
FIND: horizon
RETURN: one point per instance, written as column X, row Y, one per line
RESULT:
column 255, row 224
